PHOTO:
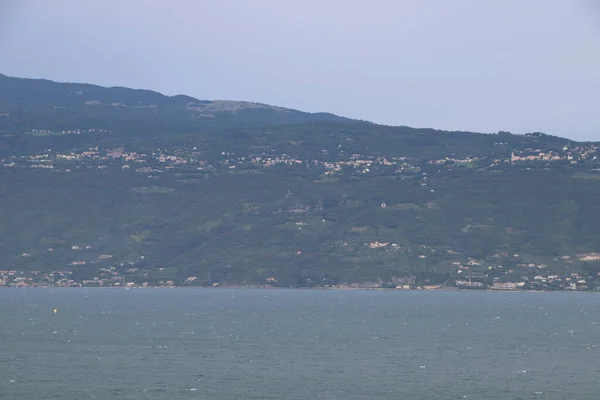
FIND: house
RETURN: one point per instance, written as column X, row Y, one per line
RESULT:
column 504, row 286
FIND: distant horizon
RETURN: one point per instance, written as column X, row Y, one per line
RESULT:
column 294, row 109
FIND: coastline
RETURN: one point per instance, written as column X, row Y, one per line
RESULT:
column 258, row 287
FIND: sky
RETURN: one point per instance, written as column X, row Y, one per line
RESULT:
column 514, row 65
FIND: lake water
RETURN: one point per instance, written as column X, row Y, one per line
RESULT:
column 297, row 344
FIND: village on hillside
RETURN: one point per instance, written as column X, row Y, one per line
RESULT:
column 467, row 272
column 191, row 159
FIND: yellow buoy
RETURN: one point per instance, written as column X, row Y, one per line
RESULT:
column 55, row 310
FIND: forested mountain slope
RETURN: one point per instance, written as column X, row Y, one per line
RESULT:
column 113, row 185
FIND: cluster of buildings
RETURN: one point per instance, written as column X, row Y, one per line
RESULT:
column 127, row 278
column 568, row 282
column 190, row 159
column 46, row 132
column 564, row 282
column 161, row 160
column 62, row 278
column 107, row 277
column 573, row 155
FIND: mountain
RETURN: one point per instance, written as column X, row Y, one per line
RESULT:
column 33, row 103
column 109, row 186
column 32, row 109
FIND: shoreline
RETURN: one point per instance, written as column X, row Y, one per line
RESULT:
column 253, row 287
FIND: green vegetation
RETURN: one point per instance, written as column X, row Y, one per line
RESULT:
column 120, row 185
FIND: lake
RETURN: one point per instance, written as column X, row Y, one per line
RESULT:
column 297, row 344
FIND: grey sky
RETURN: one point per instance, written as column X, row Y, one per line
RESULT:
column 480, row 65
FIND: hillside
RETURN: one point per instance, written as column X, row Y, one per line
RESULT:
column 27, row 104
column 114, row 186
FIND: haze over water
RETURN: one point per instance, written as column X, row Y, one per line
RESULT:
column 297, row 344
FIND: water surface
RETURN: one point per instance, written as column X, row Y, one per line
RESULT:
column 297, row 344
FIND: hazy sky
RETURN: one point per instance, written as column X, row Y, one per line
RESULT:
column 480, row 65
